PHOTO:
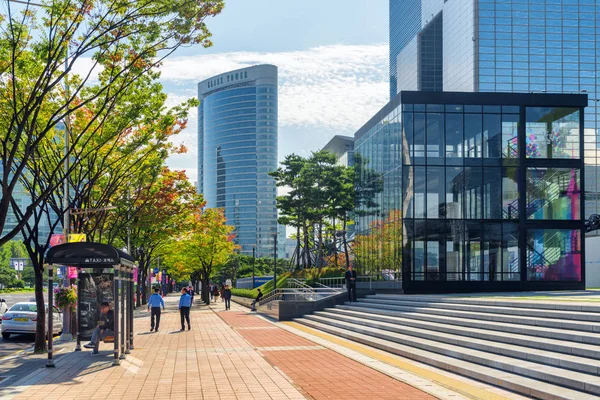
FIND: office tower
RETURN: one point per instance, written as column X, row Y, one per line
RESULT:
column 237, row 148
column 502, row 46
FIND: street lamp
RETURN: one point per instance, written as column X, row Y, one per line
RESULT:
column 275, row 261
column 253, row 262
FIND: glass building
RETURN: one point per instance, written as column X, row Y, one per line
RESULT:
column 526, row 46
column 237, row 148
column 473, row 191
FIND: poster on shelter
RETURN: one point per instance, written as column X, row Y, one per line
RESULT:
column 95, row 288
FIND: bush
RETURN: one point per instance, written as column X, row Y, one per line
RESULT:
column 18, row 284
column 265, row 288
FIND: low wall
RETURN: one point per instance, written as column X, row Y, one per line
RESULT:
column 288, row 310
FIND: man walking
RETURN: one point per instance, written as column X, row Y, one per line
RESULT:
column 106, row 326
column 185, row 302
column 154, row 304
column 227, row 297
column 351, row 284
column 192, row 293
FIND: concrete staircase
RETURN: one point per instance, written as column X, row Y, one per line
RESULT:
column 541, row 350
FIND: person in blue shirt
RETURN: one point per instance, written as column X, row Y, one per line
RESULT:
column 185, row 302
column 154, row 304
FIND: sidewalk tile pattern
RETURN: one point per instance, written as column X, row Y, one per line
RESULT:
column 320, row 373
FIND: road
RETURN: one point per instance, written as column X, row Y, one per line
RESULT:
column 16, row 343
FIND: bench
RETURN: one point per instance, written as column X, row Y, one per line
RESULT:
column 109, row 339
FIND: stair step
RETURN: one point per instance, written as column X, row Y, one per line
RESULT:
column 493, row 309
column 486, row 301
column 548, row 373
column 514, row 319
column 538, row 355
column 550, row 333
column 508, row 380
column 518, row 339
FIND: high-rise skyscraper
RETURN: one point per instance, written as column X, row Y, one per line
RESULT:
column 237, row 148
column 502, row 46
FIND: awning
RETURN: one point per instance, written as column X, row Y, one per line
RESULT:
column 88, row 255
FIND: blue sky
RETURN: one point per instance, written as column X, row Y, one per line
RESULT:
column 332, row 58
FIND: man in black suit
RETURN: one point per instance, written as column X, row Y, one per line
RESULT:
column 351, row 284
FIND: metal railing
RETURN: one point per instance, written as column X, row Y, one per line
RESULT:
column 297, row 290
column 340, row 282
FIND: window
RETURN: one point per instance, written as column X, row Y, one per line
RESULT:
column 553, row 194
column 552, row 133
column 553, row 255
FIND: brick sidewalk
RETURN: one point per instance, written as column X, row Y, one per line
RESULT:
column 320, row 373
column 210, row 362
column 227, row 355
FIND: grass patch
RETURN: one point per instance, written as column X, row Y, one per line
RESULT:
column 265, row 288
column 17, row 291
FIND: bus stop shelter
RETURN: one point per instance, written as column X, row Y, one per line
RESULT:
column 97, row 256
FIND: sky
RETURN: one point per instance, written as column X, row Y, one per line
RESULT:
column 332, row 57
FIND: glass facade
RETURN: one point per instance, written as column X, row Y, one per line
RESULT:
column 448, row 190
column 523, row 46
column 238, row 135
column 405, row 23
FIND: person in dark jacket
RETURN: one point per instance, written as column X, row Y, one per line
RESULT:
column 351, row 284
column 258, row 298
column 106, row 326
column 185, row 302
column 227, row 297
column 192, row 293
column 216, row 293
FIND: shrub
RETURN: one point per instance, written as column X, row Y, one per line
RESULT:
column 265, row 288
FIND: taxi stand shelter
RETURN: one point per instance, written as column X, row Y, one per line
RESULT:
column 97, row 256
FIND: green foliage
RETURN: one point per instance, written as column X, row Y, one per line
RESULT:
column 15, row 290
column 320, row 193
column 265, row 288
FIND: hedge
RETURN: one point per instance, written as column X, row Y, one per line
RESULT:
column 265, row 288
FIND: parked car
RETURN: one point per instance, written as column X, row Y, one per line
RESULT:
column 22, row 318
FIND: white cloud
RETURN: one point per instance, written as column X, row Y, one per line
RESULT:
column 333, row 88
column 337, row 86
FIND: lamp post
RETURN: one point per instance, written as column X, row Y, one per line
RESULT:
column 275, row 261
column 253, row 262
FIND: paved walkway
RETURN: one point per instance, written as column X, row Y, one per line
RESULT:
column 226, row 355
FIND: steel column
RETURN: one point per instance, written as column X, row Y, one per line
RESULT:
column 50, row 362
column 116, row 279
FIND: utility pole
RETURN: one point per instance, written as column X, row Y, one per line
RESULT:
column 253, row 262
column 66, row 333
column 275, row 261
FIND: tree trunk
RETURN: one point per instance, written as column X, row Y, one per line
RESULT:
column 40, row 325
column 205, row 293
column 138, row 291
column 346, row 243
column 334, row 240
column 297, row 247
column 308, row 262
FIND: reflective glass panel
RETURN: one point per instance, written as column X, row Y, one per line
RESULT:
column 553, row 255
column 552, row 132
column 553, row 194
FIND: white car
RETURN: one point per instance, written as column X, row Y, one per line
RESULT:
column 22, row 317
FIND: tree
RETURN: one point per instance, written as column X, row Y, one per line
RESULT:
column 381, row 248
column 320, row 193
column 123, row 41
column 206, row 246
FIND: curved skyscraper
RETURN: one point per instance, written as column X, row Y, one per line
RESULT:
column 237, row 148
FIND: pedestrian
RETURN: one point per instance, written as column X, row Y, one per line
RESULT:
column 227, row 297
column 154, row 304
column 106, row 326
column 222, row 289
column 258, row 298
column 192, row 293
column 216, row 293
column 351, row 284
column 185, row 302
column 210, row 290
